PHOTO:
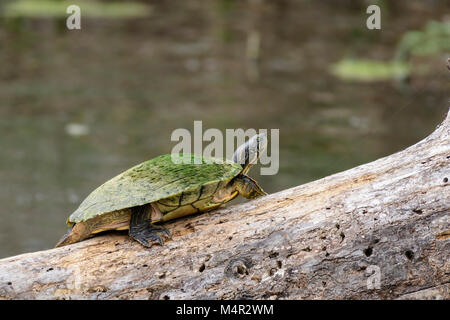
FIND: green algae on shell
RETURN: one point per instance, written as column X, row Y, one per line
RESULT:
column 153, row 180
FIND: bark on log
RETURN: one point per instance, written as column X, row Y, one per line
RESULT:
column 332, row 238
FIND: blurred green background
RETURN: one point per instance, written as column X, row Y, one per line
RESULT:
column 78, row 107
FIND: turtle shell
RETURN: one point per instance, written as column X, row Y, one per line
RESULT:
column 154, row 180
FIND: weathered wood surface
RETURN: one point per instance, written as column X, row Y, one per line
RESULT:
column 323, row 239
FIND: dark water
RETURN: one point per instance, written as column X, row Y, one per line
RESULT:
column 130, row 83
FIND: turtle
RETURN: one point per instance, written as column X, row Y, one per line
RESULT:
column 160, row 189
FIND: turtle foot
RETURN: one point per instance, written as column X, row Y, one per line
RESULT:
column 144, row 232
column 150, row 235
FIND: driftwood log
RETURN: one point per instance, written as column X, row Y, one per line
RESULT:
column 377, row 231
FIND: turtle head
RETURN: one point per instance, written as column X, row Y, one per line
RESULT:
column 248, row 153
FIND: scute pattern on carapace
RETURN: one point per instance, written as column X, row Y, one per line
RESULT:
column 154, row 180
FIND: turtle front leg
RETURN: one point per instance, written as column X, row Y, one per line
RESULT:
column 143, row 231
column 247, row 187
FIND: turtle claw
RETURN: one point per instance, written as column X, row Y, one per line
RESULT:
column 151, row 235
column 159, row 234
column 143, row 232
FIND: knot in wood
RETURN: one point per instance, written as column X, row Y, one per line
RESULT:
column 239, row 267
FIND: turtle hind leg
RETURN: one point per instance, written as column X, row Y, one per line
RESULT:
column 77, row 233
column 143, row 231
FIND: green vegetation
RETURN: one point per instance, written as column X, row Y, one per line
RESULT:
column 369, row 70
column 433, row 39
column 53, row 8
